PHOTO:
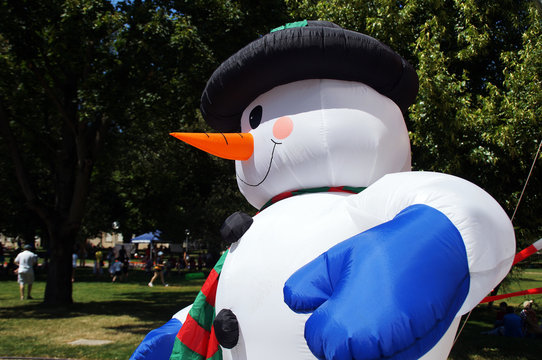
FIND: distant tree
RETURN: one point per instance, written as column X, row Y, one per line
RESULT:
column 75, row 76
column 478, row 114
column 160, row 182
column 157, row 181
column 88, row 93
column 55, row 58
column 478, row 111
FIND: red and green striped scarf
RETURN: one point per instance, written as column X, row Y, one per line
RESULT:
column 287, row 194
column 196, row 339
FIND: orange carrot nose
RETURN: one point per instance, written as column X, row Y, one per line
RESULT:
column 234, row 146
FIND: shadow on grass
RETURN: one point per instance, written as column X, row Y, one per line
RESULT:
column 524, row 279
column 132, row 329
column 144, row 306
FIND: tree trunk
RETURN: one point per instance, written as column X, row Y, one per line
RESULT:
column 58, row 290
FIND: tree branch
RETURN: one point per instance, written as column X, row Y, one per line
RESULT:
column 53, row 98
column 88, row 145
column 20, row 170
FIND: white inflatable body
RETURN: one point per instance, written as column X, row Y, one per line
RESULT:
column 296, row 230
column 323, row 133
column 383, row 273
column 337, row 133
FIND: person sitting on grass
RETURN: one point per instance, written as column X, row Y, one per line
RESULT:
column 499, row 318
column 513, row 325
column 498, row 325
column 531, row 327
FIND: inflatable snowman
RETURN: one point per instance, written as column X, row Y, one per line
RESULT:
column 352, row 255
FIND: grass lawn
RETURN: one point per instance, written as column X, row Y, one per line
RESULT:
column 474, row 346
column 121, row 312
column 125, row 312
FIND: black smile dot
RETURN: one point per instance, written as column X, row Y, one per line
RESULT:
column 255, row 117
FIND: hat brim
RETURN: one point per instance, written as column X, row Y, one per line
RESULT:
column 321, row 50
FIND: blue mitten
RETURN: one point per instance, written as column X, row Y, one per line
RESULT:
column 389, row 292
column 157, row 344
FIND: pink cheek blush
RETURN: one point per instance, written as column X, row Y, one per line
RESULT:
column 283, row 127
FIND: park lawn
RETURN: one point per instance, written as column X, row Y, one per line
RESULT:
column 474, row 346
column 121, row 312
column 125, row 312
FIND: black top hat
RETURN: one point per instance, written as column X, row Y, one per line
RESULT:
column 300, row 51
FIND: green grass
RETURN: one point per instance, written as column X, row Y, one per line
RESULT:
column 474, row 346
column 125, row 312
column 121, row 312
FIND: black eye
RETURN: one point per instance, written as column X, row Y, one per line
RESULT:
column 255, row 117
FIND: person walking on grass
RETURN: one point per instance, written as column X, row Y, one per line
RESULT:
column 98, row 262
column 116, row 270
column 26, row 261
column 158, row 270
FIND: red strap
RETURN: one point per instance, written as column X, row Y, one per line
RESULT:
column 517, row 293
column 525, row 253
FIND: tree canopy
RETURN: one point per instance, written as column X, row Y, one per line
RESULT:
column 478, row 113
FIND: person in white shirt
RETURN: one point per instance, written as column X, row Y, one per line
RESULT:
column 26, row 261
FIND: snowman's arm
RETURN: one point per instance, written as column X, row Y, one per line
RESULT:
column 485, row 228
column 158, row 343
column 392, row 291
column 389, row 292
